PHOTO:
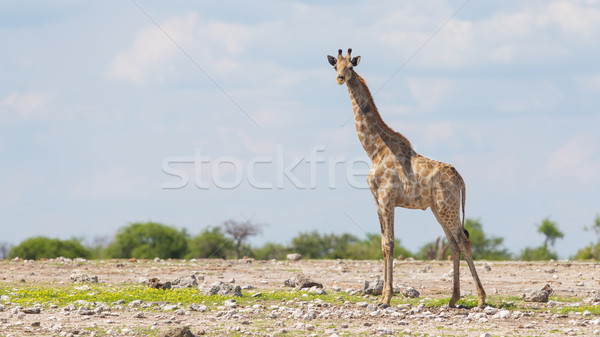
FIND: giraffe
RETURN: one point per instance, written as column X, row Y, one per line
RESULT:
column 400, row 177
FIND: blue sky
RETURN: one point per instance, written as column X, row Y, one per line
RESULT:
column 108, row 108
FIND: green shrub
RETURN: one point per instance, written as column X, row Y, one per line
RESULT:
column 147, row 241
column 39, row 247
column 211, row 243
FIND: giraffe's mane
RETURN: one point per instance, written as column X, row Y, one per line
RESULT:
column 376, row 112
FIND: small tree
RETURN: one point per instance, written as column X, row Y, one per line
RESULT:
column 550, row 231
column 240, row 232
column 591, row 251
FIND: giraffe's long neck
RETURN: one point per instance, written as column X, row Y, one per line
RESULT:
column 372, row 131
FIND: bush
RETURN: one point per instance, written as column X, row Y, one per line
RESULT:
column 591, row 251
column 270, row 251
column 541, row 253
column 483, row 247
column 147, row 241
column 346, row 246
column 211, row 243
column 42, row 247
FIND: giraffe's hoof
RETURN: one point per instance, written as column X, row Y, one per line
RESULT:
column 383, row 305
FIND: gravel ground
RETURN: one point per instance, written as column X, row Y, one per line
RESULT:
column 575, row 281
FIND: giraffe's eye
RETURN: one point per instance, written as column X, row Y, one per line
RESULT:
column 351, row 68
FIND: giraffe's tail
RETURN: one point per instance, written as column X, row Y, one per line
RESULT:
column 463, row 190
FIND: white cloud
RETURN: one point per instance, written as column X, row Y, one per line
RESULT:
column 147, row 57
column 156, row 56
column 29, row 105
column 577, row 159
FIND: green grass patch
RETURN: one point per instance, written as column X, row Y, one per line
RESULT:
column 62, row 295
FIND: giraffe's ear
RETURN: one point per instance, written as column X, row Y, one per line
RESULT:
column 332, row 60
column 355, row 60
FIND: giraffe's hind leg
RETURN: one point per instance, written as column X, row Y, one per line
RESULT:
column 465, row 246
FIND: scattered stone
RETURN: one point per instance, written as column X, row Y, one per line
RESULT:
column 410, row 292
column 77, row 277
column 504, row 314
column 302, row 281
column 336, row 288
column 592, row 299
column 257, row 295
column 155, row 283
column 34, row 310
column 487, row 267
column 220, row 288
column 134, row 303
column 490, row 311
column 35, row 323
column 178, row 332
column 373, row 287
column 384, row 331
column 294, row 257
column 139, row 315
column 539, row 295
column 230, row 303
column 185, row 282
column 170, row 307
column 485, row 334
column 198, row 307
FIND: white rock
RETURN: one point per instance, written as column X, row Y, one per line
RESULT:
column 504, row 314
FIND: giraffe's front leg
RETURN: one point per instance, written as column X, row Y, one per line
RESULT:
column 387, row 248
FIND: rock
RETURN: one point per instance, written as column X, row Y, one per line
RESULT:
column 490, row 311
column 77, row 277
column 410, row 292
column 178, row 332
column 185, row 282
column 230, row 303
column 32, row 310
column 384, row 331
column 198, row 307
column 156, row 284
column 302, row 281
column 170, row 307
column 485, row 334
column 134, row 303
column 592, row 299
column 539, row 295
column 294, row 257
column 504, row 314
column 220, row 288
column 487, row 267
column 374, row 287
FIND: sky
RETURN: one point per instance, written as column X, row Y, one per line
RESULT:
column 192, row 113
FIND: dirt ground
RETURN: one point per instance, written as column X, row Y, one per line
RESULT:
column 575, row 281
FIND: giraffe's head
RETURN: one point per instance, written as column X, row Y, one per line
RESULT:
column 343, row 65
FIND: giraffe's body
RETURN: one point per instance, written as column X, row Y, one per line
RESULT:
column 400, row 177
